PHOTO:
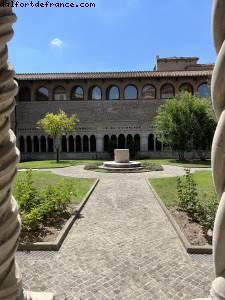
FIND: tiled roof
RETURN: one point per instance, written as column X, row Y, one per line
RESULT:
column 111, row 75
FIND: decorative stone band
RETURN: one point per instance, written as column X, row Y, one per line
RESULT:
column 218, row 149
column 9, row 156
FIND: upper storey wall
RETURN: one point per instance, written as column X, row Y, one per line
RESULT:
column 175, row 64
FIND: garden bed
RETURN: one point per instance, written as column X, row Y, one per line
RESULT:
column 48, row 221
column 197, row 233
column 192, row 230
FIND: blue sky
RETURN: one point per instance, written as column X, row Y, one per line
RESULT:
column 116, row 35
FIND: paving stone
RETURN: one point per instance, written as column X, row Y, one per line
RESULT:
column 123, row 247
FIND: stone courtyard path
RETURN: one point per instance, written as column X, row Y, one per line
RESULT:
column 123, row 247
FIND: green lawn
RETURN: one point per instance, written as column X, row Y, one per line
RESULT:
column 184, row 164
column 43, row 178
column 53, row 164
column 166, row 187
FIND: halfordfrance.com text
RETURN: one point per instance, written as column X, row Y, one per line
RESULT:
column 43, row 4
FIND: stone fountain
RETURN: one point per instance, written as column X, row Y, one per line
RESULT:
column 122, row 162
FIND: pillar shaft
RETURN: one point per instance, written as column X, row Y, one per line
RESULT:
column 10, row 281
column 99, row 144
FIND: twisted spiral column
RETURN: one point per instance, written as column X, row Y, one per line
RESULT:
column 9, row 156
column 10, row 280
column 218, row 149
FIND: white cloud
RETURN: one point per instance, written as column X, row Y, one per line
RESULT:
column 56, row 42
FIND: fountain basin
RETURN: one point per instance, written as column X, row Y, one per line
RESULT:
column 121, row 162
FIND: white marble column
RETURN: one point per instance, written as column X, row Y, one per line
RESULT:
column 218, row 150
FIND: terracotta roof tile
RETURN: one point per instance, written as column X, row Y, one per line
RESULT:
column 111, row 75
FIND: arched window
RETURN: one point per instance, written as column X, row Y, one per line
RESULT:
column 60, row 94
column 71, row 144
column 85, row 144
column 92, row 143
column 186, row 87
column 113, row 93
column 78, row 143
column 95, row 93
column 22, row 144
column 137, row 142
column 106, row 143
column 77, row 93
column 167, row 91
column 121, row 141
column 36, row 144
column 131, row 92
column 204, row 90
column 29, row 144
column 129, row 141
column 149, row 92
column 151, row 142
column 50, row 145
column 114, row 141
column 43, row 144
column 42, row 94
column 64, row 144
column 158, row 145
column 24, row 94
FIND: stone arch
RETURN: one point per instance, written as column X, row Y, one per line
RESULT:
column 43, row 144
column 50, row 145
column 151, row 142
column 113, row 93
column 129, row 140
column 167, row 91
column 131, row 92
column 36, row 144
column 29, row 144
column 59, row 93
column 42, row 94
column 148, row 92
column 64, row 143
column 95, row 93
column 77, row 93
column 114, row 141
column 137, row 141
column 71, row 144
column 158, row 145
column 85, row 143
column 78, row 144
column 121, row 141
column 204, row 90
column 22, row 144
column 186, row 87
column 106, row 143
column 24, row 94
column 92, row 143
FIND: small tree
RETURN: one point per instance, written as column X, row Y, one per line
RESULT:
column 57, row 125
column 186, row 123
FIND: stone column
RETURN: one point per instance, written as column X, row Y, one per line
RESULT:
column 10, row 279
column 154, row 143
column 144, row 143
column 218, row 149
column 99, row 144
